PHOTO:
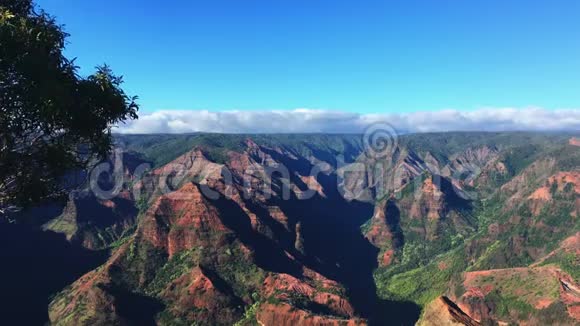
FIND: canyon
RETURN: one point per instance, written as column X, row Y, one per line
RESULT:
column 444, row 229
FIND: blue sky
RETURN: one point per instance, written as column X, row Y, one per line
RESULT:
column 351, row 56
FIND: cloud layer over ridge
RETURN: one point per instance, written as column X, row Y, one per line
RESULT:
column 328, row 121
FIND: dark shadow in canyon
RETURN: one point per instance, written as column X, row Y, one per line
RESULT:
column 135, row 308
column 393, row 219
column 268, row 254
column 335, row 246
column 35, row 266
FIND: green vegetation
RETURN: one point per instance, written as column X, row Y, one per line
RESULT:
column 517, row 158
column 427, row 270
column 431, row 254
column 505, row 306
column 140, row 265
column 242, row 274
column 443, row 144
column 422, row 284
column 249, row 318
column 62, row 225
column 555, row 314
column 424, row 269
column 177, row 266
column 366, row 226
column 161, row 149
column 124, row 238
column 485, row 260
column 567, row 261
column 52, row 121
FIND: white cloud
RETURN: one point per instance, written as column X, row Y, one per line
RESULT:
column 327, row 121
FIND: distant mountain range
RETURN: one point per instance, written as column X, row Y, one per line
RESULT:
column 450, row 228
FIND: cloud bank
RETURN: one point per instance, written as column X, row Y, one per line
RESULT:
column 327, row 121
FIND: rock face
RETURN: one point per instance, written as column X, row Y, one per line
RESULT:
column 197, row 257
column 437, row 203
column 181, row 220
column 420, row 195
column 310, row 230
column 93, row 222
column 286, row 315
column 560, row 183
column 483, row 210
column 96, row 219
column 553, row 290
column 443, row 312
column 189, row 256
column 425, row 208
column 384, row 225
column 473, row 166
column 373, row 178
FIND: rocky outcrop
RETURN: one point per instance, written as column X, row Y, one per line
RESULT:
column 500, row 295
column 435, row 204
column 325, row 297
column 569, row 246
column 95, row 223
column 89, row 300
column 519, row 186
column 383, row 228
column 371, row 179
column 561, row 182
column 444, row 312
column 199, row 295
column 430, row 202
column 286, row 315
column 388, row 257
column 278, row 248
column 101, row 211
column 203, row 258
column 424, row 208
column 467, row 165
column 181, row 220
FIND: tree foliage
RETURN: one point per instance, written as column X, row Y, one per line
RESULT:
column 52, row 120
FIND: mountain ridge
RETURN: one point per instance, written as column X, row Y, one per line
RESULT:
column 440, row 209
